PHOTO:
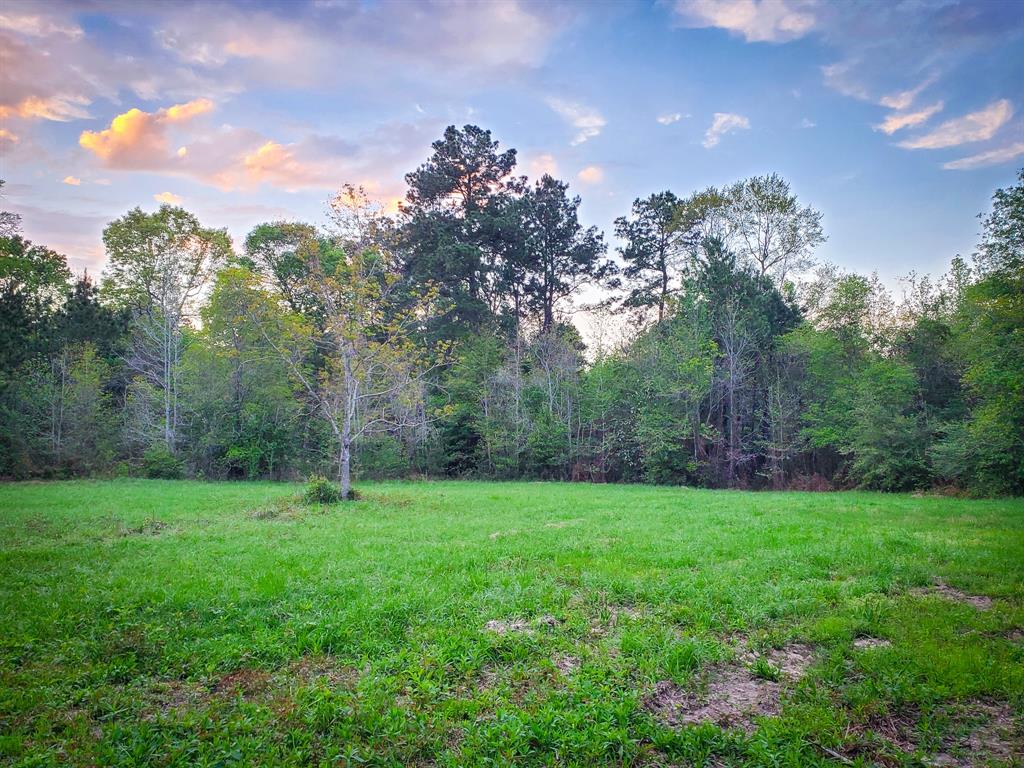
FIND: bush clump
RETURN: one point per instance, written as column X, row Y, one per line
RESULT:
column 320, row 490
column 158, row 463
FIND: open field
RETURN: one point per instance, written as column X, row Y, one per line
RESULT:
column 177, row 623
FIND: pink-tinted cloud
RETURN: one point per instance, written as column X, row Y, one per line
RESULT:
column 773, row 21
column 138, row 140
column 976, row 126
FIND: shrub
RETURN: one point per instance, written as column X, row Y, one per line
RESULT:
column 320, row 490
column 159, row 463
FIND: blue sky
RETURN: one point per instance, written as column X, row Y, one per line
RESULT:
column 896, row 120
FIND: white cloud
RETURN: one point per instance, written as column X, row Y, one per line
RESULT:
column 592, row 174
column 668, row 119
column 74, row 181
column 976, row 126
column 587, row 120
column 992, row 157
column 773, row 21
column 900, row 120
column 167, row 197
column 808, row 123
column 903, row 99
column 724, row 123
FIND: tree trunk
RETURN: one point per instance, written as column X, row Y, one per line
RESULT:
column 345, row 466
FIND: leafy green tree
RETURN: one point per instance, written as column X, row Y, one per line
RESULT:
column 243, row 413
column 449, row 237
column 158, row 265
column 561, row 255
column 33, row 282
column 888, row 439
column 652, row 252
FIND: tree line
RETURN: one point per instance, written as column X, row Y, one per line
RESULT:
column 438, row 341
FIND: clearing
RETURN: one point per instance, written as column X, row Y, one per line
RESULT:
column 457, row 623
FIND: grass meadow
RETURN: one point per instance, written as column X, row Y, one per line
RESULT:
column 457, row 623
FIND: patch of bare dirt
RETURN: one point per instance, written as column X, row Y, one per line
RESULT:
column 733, row 697
column 245, row 682
column 1015, row 635
column 792, row 661
column 508, row 626
column 988, row 733
column 871, row 642
column 566, row 664
column 147, row 528
column 176, row 694
column 940, row 588
column 504, row 627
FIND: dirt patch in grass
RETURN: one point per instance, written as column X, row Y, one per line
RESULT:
column 248, row 683
column 940, row 588
column 871, row 642
column 312, row 669
column 791, row 661
column 981, row 733
column 146, row 528
column 566, row 664
column 733, row 695
column 167, row 697
column 521, row 626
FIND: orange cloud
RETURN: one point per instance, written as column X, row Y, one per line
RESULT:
column 179, row 113
column 138, row 139
column 74, row 181
column 6, row 137
column 58, row 108
column 278, row 164
column 592, row 174
column 167, row 197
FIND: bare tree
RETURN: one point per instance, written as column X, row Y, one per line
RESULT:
column 372, row 377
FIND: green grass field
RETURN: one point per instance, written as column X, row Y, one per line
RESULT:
column 179, row 623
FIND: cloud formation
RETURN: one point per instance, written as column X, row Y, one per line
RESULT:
column 543, row 163
column 73, row 181
column 587, row 120
column 770, row 21
column 138, row 140
column 168, row 198
column 722, row 124
column 975, row 126
column 592, row 174
column 668, row 119
column 983, row 159
column 897, row 121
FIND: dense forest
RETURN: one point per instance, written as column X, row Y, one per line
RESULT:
column 439, row 342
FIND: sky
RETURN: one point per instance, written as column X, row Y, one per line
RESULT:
column 896, row 120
